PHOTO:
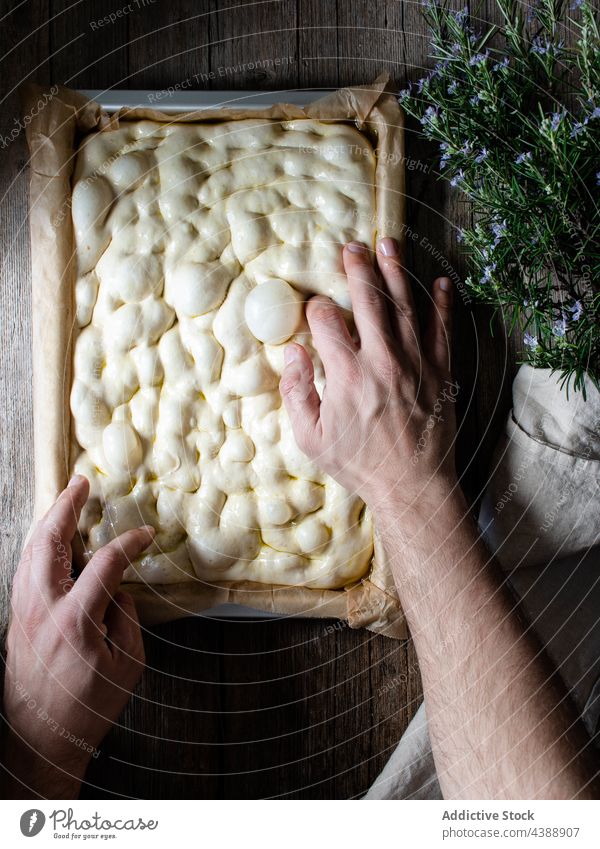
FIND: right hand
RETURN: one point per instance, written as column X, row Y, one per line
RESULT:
column 385, row 427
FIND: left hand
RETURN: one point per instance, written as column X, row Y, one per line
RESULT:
column 74, row 650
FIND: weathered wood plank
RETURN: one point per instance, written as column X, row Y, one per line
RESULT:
column 88, row 49
column 169, row 45
column 254, row 47
column 25, row 38
column 318, row 54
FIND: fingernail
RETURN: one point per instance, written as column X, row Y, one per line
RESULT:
column 290, row 355
column 76, row 480
column 445, row 284
column 149, row 530
column 388, row 246
column 356, row 247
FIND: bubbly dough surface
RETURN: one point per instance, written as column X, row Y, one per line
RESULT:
column 178, row 421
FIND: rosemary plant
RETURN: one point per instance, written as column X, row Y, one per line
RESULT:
column 516, row 114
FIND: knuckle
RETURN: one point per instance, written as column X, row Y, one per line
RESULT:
column 26, row 557
column 133, row 643
column 371, row 295
column 42, row 546
column 388, row 368
column 288, row 383
column 444, row 311
column 351, row 370
column 305, row 441
column 391, row 264
column 323, row 311
column 108, row 557
column 406, row 310
column 75, row 623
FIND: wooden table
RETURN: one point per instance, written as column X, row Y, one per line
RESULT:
column 241, row 709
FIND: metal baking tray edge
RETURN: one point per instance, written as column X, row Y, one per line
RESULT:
column 168, row 100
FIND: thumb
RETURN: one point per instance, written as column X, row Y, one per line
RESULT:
column 301, row 398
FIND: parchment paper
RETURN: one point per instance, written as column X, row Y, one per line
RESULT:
column 53, row 135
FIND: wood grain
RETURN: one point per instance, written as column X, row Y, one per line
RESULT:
column 244, row 709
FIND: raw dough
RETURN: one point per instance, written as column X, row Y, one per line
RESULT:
column 273, row 311
column 178, row 422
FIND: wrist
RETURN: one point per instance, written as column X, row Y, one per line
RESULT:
column 28, row 772
column 425, row 541
column 415, row 508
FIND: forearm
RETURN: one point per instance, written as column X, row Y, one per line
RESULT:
column 26, row 774
column 500, row 725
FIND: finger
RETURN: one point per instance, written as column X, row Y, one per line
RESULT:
column 331, row 336
column 367, row 294
column 123, row 632
column 301, row 398
column 402, row 304
column 439, row 329
column 48, row 553
column 100, row 580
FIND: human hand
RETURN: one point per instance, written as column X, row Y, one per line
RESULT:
column 74, row 650
column 385, row 427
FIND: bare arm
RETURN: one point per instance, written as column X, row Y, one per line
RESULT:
column 500, row 725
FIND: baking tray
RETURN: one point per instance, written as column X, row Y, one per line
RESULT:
column 170, row 101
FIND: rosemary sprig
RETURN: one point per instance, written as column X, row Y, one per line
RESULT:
column 530, row 165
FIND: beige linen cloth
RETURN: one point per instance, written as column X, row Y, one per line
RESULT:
column 541, row 517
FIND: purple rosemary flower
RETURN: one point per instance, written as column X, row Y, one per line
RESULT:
column 478, row 58
column 457, row 179
column 499, row 230
column 453, row 87
column 545, row 47
column 576, row 4
column 503, row 64
column 523, row 157
column 595, row 113
column 445, row 158
column 482, row 155
column 474, row 101
column 576, row 310
column 439, row 67
column 404, row 94
column 530, row 341
column 578, row 127
column 556, row 119
column 488, row 272
column 598, row 178
column 559, row 328
column 431, row 115
column 461, row 16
